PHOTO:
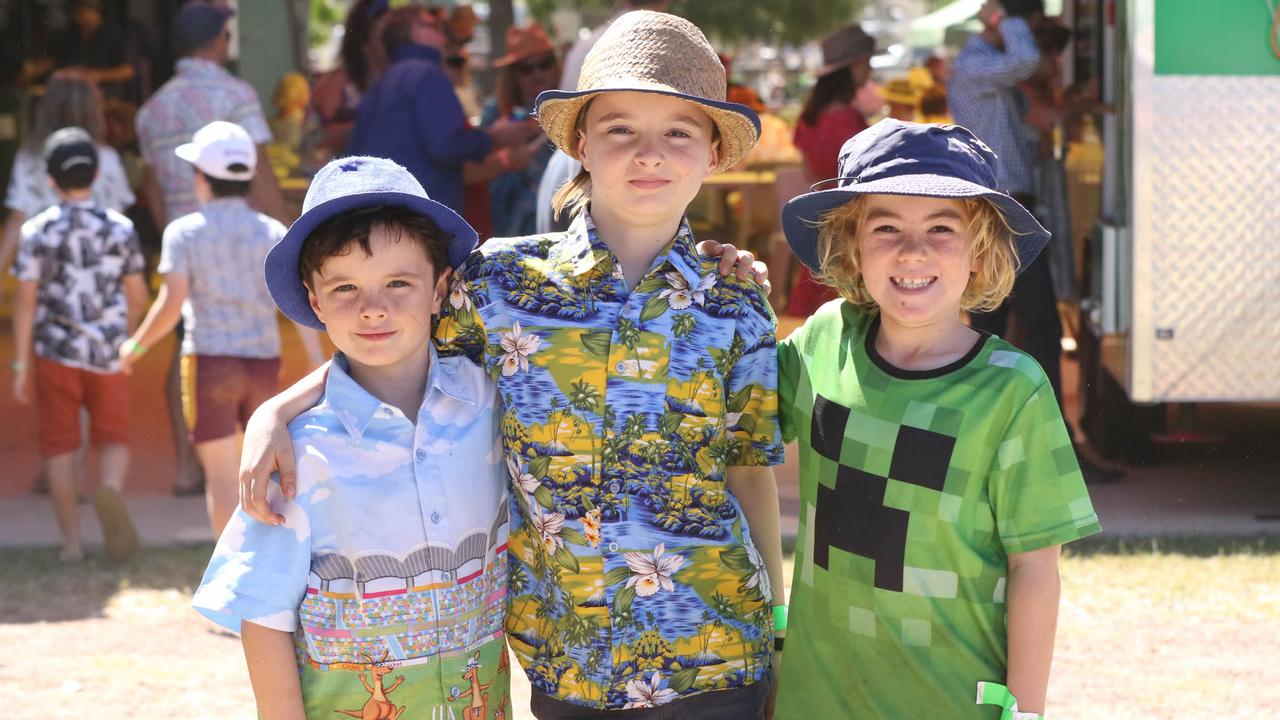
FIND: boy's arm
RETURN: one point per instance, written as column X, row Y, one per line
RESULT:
column 161, row 318
column 268, row 447
column 273, row 672
column 1018, row 62
column 135, row 297
column 1034, row 589
column 24, row 315
column 757, row 493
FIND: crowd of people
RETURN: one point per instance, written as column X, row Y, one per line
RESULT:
column 553, row 415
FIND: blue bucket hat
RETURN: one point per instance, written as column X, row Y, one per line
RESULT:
column 894, row 157
column 349, row 184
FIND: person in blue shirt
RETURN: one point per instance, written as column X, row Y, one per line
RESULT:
column 383, row 591
column 412, row 115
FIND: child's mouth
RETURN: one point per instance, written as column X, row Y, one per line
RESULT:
column 918, row 283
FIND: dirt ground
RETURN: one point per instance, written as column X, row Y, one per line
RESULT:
column 1143, row 634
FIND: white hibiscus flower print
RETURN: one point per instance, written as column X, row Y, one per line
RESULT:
column 651, row 573
column 759, row 578
column 549, row 526
column 641, row 694
column 458, row 297
column 518, row 347
column 680, row 295
column 521, row 477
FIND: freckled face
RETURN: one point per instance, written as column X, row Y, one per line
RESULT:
column 647, row 153
column 377, row 308
column 914, row 254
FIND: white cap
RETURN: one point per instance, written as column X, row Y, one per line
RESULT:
column 219, row 145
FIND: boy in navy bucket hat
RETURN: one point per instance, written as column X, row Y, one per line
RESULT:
column 387, row 567
column 937, row 478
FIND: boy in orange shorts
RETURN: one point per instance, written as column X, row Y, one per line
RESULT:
column 80, row 290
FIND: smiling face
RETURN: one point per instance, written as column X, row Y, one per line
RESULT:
column 915, row 258
column 647, row 154
column 377, row 308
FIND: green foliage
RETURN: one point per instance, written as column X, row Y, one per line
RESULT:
column 324, row 15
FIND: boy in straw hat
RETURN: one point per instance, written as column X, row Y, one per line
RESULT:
column 937, row 479
column 639, row 396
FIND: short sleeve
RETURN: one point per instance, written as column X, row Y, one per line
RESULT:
column 751, row 390
column 26, row 262
column 459, row 330
column 111, row 189
column 790, row 365
column 128, row 248
column 248, row 115
column 28, row 190
column 1037, row 491
column 173, row 255
column 258, row 572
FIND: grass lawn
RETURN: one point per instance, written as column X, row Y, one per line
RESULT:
column 1183, row 629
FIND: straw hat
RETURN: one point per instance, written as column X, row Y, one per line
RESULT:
column 523, row 43
column 646, row 51
column 841, row 47
column 900, row 91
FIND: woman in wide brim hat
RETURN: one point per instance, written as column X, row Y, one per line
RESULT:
column 829, row 117
column 529, row 67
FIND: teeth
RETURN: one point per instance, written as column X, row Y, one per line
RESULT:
column 912, row 283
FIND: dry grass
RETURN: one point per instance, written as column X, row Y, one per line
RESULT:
column 1183, row 631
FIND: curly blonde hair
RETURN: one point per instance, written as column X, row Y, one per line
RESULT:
column 991, row 247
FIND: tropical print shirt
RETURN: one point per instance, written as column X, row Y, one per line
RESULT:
column 78, row 253
column 390, row 569
column 633, row 579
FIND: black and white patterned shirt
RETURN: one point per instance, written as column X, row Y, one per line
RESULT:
column 78, row 252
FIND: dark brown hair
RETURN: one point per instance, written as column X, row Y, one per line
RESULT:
column 336, row 236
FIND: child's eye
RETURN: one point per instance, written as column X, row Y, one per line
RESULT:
column 619, row 130
column 398, row 283
column 886, row 229
column 941, row 229
column 679, row 134
column 345, row 287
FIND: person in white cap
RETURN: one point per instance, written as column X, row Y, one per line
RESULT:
column 211, row 261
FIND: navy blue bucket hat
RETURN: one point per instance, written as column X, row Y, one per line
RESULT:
column 349, row 184
column 894, row 157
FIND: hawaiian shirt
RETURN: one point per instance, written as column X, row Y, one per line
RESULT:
column 634, row 580
column 221, row 250
column 201, row 92
column 392, row 559
column 77, row 253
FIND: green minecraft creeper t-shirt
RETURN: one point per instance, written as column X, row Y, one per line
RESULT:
column 915, row 487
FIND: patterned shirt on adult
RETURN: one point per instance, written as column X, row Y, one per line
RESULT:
column 29, row 191
column 983, row 96
column 200, row 92
column 633, row 576
column 221, row 251
column 915, row 488
column 78, row 252
column 391, row 564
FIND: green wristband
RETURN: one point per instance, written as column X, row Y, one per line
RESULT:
column 997, row 694
column 18, row 366
column 779, row 618
column 132, row 347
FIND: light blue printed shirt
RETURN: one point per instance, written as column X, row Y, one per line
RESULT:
column 394, row 550
column 221, row 250
column 983, row 96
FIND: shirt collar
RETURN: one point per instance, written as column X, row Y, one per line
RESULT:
column 582, row 248
column 199, row 66
column 356, row 407
column 414, row 51
column 226, row 203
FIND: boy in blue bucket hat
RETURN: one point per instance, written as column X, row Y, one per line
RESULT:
column 382, row 592
column 937, row 478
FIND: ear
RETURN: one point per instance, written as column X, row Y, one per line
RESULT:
column 315, row 305
column 580, row 138
column 441, row 291
column 714, row 160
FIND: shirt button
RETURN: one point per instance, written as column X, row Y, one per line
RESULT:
column 421, row 454
column 435, row 518
column 621, row 367
column 613, row 547
column 445, row 575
